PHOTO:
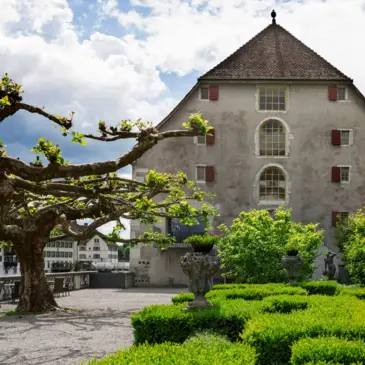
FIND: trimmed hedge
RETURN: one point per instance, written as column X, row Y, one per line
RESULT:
column 253, row 292
column 327, row 349
column 321, row 287
column 357, row 292
column 201, row 350
column 285, row 303
column 171, row 323
column 273, row 334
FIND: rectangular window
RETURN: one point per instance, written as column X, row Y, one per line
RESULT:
column 58, row 254
column 62, row 254
column 204, row 93
column 272, row 98
column 200, row 140
column 48, row 253
column 82, row 257
column 96, row 256
column 96, row 240
column 53, row 254
column 200, row 173
column 341, row 93
column 345, row 138
column 96, row 248
column 82, row 248
column 345, row 174
column 62, row 244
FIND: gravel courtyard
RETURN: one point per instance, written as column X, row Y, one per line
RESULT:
column 100, row 326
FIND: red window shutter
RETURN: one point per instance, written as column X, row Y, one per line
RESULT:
column 336, row 137
column 213, row 92
column 335, row 218
column 209, row 173
column 336, row 174
column 210, row 136
column 332, row 93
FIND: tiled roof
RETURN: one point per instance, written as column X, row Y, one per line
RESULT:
column 274, row 53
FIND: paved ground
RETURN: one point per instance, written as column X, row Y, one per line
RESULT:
column 100, row 328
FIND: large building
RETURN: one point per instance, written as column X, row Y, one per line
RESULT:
column 288, row 129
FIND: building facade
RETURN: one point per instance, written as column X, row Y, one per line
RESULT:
column 288, row 129
column 97, row 250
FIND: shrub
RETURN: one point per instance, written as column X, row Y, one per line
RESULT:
column 357, row 292
column 350, row 236
column 201, row 350
column 251, row 292
column 327, row 349
column 325, row 287
column 163, row 323
column 285, row 303
column 252, row 248
column 273, row 334
column 202, row 239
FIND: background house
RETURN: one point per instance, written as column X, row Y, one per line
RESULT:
column 288, row 129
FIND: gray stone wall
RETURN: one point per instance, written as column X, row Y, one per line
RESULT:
column 310, row 119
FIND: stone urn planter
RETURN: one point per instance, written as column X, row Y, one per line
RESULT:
column 292, row 265
column 200, row 268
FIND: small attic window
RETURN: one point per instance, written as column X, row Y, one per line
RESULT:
column 204, row 93
column 341, row 93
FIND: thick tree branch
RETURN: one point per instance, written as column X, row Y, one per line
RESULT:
column 54, row 171
column 10, row 110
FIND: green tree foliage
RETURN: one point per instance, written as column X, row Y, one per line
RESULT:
column 123, row 252
column 252, row 248
column 35, row 198
column 350, row 236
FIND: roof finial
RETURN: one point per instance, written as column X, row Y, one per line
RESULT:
column 273, row 15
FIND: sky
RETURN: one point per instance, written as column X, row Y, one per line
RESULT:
column 118, row 59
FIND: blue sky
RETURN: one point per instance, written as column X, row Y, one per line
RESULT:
column 111, row 60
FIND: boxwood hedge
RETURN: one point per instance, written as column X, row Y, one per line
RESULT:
column 321, row 287
column 172, row 323
column 332, row 349
column 253, row 292
column 201, row 350
column 273, row 334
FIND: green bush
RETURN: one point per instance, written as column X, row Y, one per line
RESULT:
column 273, row 334
column 350, row 236
column 201, row 350
column 171, row 323
column 357, row 292
column 253, row 247
column 251, row 292
column 284, row 303
column 321, row 287
column 327, row 349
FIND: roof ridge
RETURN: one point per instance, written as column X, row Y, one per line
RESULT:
column 234, row 52
column 244, row 52
column 317, row 54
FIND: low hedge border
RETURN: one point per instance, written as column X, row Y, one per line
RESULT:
column 332, row 349
column 272, row 335
column 201, row 350
column 172, row 323
column 250, row 293
column 324, row 287
column 357, row 292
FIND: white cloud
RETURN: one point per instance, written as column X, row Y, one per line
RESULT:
column 103, row 77
column 184, row 36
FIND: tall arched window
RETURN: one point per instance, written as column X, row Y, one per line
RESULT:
column 272, row 184
column 272, row 139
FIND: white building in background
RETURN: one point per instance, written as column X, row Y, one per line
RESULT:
column 8, row 263
column 97, row 250
column 64, row 251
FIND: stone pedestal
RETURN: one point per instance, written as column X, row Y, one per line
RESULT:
column 200, row 268
column 292, row 265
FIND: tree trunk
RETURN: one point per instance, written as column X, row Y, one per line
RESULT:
column 35, row 293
